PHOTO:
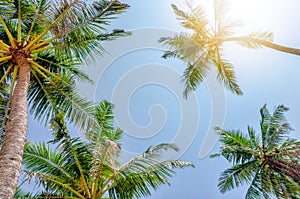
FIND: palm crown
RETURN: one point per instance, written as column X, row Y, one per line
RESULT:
column 55, row 37
column 268, row 162
column 201, row 47
column 78, row 169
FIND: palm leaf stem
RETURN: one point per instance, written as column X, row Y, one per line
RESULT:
column 99, row 173
column 62, row 185
column 4, row 46
column 46, row 48
column 104, row 190
column 85, row 184
column 6, row 73
column 8, row 33
column 42, row 44
column 50, row 73
column 63, row 93
column 19, row 21
column 6, row 58
column 43, row 88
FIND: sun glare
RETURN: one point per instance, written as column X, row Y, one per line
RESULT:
column 249, row 12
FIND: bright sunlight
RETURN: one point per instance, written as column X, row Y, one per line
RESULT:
column 249, row 12
column 253, row 14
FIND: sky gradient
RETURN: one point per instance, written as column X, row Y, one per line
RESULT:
column 147, row 93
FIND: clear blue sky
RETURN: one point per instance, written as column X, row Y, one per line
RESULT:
column 147, row 93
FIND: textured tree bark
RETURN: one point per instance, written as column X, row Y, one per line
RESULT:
column 291, row 169
column 15, row 133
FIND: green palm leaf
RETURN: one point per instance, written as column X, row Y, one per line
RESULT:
column 77, row 169
column 274, row 127
column 48, row 41
column 40, row 158
column 236, row 176
column 6, row 7
column 268, row 163
column 144, row 172
column 226, row 74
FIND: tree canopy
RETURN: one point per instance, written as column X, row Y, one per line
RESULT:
column 268, row 162
column 78, row 169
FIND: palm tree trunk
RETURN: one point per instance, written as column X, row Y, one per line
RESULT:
column 15, row 133
column 268, row 44
column 292, row 170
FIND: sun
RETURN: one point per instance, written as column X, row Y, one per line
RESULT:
column 253, row 14
column 250, row 12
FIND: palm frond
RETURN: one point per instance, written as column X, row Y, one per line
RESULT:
column 236, row 147
column 86, row 170
column 40, row 158
column 226, row 74
column 290, row 148
column 151, row 153
column 77, row 155
column 195, row 20
column 145, row 172
column 195, row 73
column 236, row 176
column 279, row 127
column 274, row 169
column 69, row 164
column 82, row 35
column 56, row 64
column 7, row 7
column 105, row 118
column 254, row 40
column 139, row 183
column 221, row 7
column 283, row 186
column 274, row 127
column 227, row 28
column 104, row 115
column 255, row 191
column 47, row 99
column 35, row 24
column 58, row 128
column 116, row 33
column 253, row 138
column 184, row 46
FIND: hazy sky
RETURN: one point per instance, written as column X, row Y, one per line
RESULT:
column 147, row 92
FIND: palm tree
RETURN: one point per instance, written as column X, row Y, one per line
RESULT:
column 84, row 170
column 201, row 47
column 42, row 45
column 269, row 162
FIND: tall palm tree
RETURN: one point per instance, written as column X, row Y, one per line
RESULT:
column 269, row 162
column 42, row 45
column 201, row 47
column 84, row 170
